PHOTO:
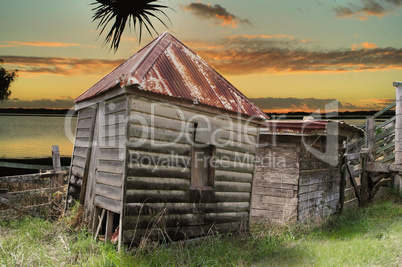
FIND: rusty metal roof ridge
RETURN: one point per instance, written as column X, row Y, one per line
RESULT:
column 167, row 66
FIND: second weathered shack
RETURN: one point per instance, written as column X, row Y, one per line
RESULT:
column 298, row 176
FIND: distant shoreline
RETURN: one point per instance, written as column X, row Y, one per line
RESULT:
column 34, row 112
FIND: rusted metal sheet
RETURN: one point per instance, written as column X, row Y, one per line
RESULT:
column 166, row 66
column 318, row 127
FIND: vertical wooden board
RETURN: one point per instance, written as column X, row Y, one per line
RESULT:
column 92, row 173
column 109, row 225
column 88, row 156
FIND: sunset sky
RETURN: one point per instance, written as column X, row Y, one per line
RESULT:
column 284, row 55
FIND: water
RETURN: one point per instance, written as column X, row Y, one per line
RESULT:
column 33, row 136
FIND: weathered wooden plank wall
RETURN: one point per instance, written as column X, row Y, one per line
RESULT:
column 276, row 182
column 158, row 186
column 319, row 181
column 295, row 185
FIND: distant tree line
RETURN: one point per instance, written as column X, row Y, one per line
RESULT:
column 6, row 78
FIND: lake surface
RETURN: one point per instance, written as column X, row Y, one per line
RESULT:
column 33, row 136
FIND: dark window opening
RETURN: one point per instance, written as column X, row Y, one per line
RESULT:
column 202, row 167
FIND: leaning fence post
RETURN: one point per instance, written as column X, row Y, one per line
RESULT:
column 398, row 132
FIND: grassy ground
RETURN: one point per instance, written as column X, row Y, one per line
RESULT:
column 360, row 237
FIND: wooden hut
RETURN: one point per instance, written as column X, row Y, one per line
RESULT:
column 298, row 176
column 164, row 142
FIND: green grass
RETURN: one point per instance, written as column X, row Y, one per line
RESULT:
column 360, row 237
column 369, row 236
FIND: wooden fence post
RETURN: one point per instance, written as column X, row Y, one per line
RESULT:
column 56, row 158
column 398, row 132
column 342, row 185
column 369, row 157
column 57, row 180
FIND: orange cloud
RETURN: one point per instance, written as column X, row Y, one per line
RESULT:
column 41, row 44
column 365, row 45
column 379, row 101
column 227, row 20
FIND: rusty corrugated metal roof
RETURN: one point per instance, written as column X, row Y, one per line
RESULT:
column 166, row 66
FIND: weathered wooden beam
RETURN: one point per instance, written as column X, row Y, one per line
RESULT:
column 377, row 167
column 391, row 120
column 27, row 178
column 385, row 133
column 183, row 220
column 390, row 157
column 395, row 167
column 379, row 113
column 22, row 194
column 386, row 147
column 353, row 156
column 353, row 181
column 132, row 209
column 24, row 166
column 99, row 224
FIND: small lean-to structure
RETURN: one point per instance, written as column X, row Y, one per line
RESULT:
column 164, row 142
column 298, row 175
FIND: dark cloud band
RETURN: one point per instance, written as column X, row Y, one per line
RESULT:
column 216, row 13
column 60, row 65
column 241, row 55
column 368, row 8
